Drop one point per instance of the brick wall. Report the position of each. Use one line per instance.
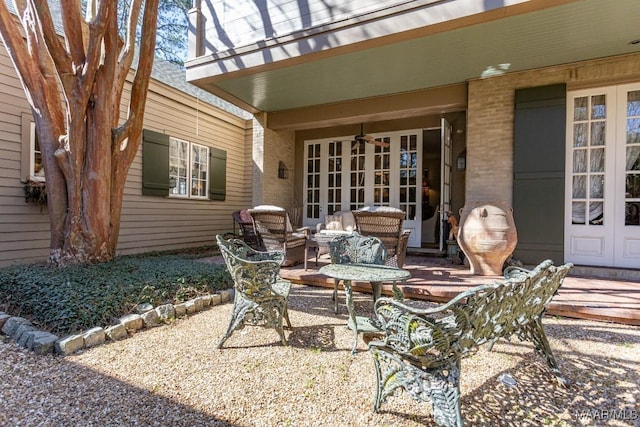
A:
(269, 149)
(489, 174)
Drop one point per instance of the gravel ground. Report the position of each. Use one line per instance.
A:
(174, 376)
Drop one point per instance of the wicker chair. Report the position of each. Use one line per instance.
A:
(385, 223)
(245, 225)
(274, 231)
(261, 295)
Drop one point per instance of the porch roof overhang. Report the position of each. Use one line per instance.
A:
(372, 69)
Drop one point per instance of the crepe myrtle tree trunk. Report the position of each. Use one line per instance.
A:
(74, 83)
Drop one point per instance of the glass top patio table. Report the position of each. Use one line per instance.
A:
(373, 273)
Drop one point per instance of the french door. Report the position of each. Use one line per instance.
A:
(602, 224)
(445, 176)
(344, 175)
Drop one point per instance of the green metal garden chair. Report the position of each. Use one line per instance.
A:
(261, 295)
(355, 249)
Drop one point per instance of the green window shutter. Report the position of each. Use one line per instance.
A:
(539, 169)
(155, 163)
(217, 174)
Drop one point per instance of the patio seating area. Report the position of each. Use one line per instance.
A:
(174, 375)
(582, 295)
(444, 333)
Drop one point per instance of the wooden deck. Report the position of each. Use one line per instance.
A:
(436, 279)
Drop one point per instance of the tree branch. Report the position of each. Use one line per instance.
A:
(60, 57)
(16, 46)
(141, 79)
(97, 28)
(126, 58)
(72, 22)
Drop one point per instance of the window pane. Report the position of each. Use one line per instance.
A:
(579, 187)
(38, 164)
(597, 160)
(578, 212)
(178, 166)
(580, 161)
(598, 107)
(199, 170)
(633, 103)
(597, 186)
(596, 213)
(580, 135)
(580, 108)
(632, 214)
(632, 186)
(633, 158)
(633, 131)
(597, 133)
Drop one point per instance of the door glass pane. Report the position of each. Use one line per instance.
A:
(597, 186)
(580, 108)
(579, 187)
(633, 103)
(596, 213)
(633, 158)
(580, 132)
(580, 161)
(632, 216)
(633, 131)
(597, 160)
(577, 212)
(632, 187)
(598, 107)
(597, 133)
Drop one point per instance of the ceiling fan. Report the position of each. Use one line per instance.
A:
(362, 137)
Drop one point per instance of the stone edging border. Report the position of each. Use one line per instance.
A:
(23, 332)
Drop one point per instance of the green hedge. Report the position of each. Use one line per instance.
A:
(72, 299)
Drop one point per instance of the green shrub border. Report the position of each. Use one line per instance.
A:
(72, 299)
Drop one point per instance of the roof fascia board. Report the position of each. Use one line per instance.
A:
(417, 20)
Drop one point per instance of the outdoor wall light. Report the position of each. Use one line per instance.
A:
(461, 161)
(283, 172)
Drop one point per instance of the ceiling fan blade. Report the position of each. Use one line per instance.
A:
(374, 141)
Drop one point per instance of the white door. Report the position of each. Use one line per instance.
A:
(342, 175)
(603, 177)
(627, 184)
(410, 185)
(445, 177)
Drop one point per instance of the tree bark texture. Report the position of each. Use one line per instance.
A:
(74, 84)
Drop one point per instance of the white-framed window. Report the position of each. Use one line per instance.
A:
(36, 164)
(188, 169)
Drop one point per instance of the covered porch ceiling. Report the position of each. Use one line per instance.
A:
(369, 76)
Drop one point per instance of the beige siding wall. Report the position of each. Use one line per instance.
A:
(489, 175)
(24, 228)
(148, 223)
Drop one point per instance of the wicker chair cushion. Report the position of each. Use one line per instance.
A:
(333, 222)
